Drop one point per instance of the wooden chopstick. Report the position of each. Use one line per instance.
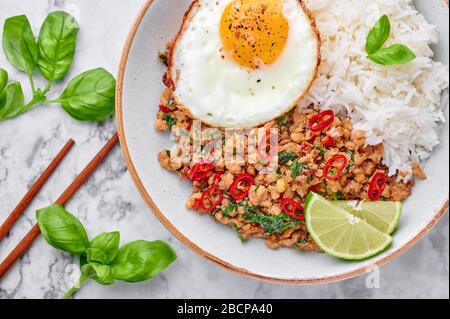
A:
(26, 242)
(34, 189)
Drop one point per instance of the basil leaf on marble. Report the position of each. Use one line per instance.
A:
(378, 35)
(99, 272)
(57, 44)
(11, 101)
(101, 259)
(62, 230)
(89, 97)
(19, 44)
(142, 260)
(3, 79)
(104, 248)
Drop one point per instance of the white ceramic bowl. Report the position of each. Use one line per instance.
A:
(138, 93)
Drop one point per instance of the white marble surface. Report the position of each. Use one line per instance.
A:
(109, 201)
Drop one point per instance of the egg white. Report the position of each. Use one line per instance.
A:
(222, 93)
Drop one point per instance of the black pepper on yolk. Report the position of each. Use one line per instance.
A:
(254, 32)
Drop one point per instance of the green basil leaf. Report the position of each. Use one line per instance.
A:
(19, 44)
(142, 260)
(3, 79)
(11, 101)
(100, 273)
(96, 255)
(83, 260)
(62, 230)
(90, 97)
(378, 35)
(104, 248)
(395, 54)
(57, 43)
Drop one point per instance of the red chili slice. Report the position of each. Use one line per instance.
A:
(200, 171)
(331, 165)
(164, 109)
(296, 211)
(211, 198)
(186, 173)
(197, 203)
(321, 121)
(241, 186)
(377, 186)
(217, 177)
(262, 147)
(328, 141)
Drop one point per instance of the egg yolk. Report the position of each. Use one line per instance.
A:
(253, 32)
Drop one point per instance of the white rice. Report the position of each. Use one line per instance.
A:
(395, 105)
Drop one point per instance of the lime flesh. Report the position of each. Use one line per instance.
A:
(340, 233)
(384, 216)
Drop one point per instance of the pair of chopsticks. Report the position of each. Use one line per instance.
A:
(26, 242)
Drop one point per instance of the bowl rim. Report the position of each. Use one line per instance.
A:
(161, 217)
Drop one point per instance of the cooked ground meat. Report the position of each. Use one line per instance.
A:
(302, 159)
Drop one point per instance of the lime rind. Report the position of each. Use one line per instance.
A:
(363, 228)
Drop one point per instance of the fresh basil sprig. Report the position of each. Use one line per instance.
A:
(392, 55)
(101, 259)
(89, 97)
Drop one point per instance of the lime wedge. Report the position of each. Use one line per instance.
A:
(341, 234)
(384, 216)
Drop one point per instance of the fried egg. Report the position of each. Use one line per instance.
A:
(241, 63)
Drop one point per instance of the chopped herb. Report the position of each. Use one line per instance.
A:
(257, 187)
(384, 199)
(229, 209)
(352, 155)
(333, 171)
(338, 195)
(297, 169)
(164, 57)
(321, 150)
(303, 241)
(272, 224)
(170, 120)
(286, 157)
(282, 121)
(249, 209)
(238, 231)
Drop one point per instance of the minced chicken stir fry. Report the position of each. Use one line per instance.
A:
(318, 152)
